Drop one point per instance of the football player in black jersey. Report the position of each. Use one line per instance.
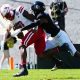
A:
(60, 37)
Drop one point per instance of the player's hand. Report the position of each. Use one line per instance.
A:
(18, 25)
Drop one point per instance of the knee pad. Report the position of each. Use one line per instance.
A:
(65, 47)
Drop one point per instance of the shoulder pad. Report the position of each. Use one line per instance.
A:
(20, 9)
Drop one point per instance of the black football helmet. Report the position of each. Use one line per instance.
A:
(38, 7)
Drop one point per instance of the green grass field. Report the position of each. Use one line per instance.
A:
(43, 74)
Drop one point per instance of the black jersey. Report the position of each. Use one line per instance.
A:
(43, 20)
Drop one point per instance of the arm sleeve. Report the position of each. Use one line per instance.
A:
(29, 16)
(42, 19)
(34, 24)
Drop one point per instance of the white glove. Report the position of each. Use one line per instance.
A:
(16, 32)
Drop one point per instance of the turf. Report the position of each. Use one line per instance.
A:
(43, 74)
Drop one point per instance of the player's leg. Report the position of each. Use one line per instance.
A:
(2, 60)
(52, 53)
(23, 54)
(28, 39)
(67, 45)
(44, 49)
(6, 53)
(77, 54)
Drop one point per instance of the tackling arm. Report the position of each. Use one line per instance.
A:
(34, 24)
(29, 16)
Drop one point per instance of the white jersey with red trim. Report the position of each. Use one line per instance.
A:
(19, 17)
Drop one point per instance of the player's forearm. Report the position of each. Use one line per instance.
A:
(34, 24)
(26, 27)
(29, 16)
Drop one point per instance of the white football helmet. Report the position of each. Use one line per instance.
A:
(6, 8)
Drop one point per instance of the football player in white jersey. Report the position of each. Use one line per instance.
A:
(18, 20)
